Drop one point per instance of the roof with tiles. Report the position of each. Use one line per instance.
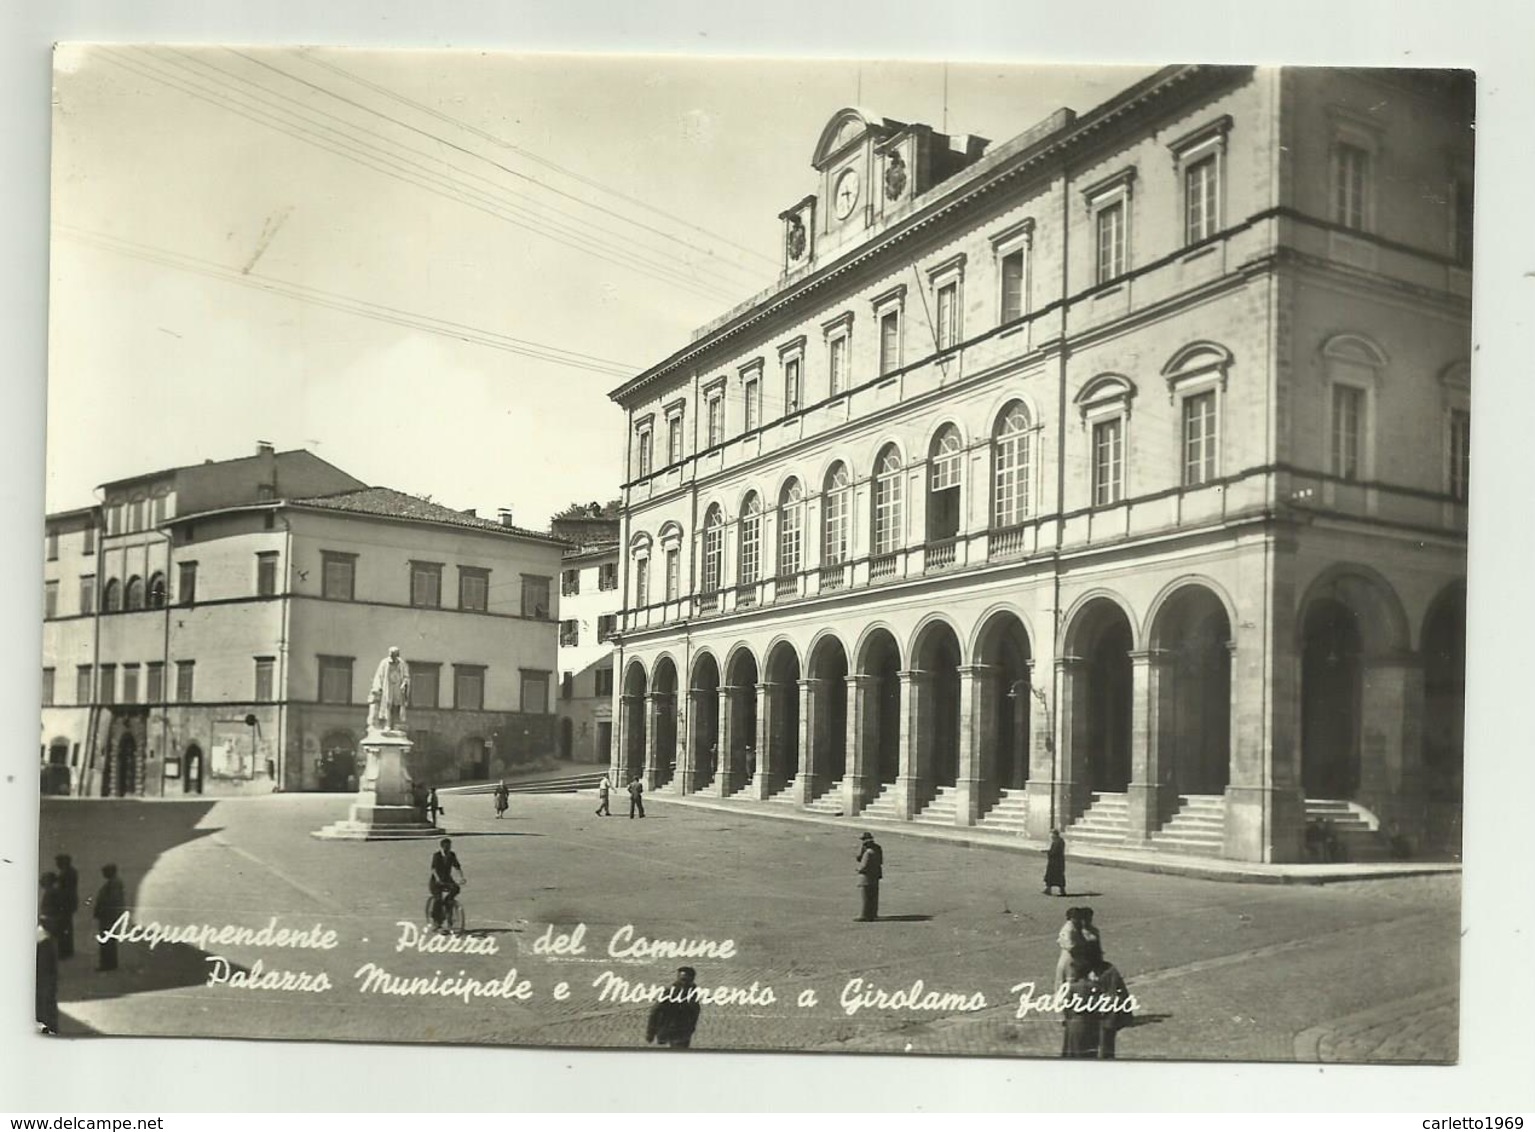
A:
(387, 503)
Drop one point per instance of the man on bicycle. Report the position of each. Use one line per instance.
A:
(441, 884)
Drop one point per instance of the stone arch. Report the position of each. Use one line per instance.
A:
(631, 755)
(1067, 646)
(663, 706)
(826, 756)
(1373, 598)
(156, 594)
(878, 665)
(1099, 638)
(702, 763)
(1001, 647)
(133, 593)
(1195, 359)
(738, 718)
(861, 646)
(936, 657)
(112, 596)
(1170, 591)
(1190, 633)
(1355, 349)
(781, 672)
(192, 767)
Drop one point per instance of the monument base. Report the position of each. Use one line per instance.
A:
(386, 808)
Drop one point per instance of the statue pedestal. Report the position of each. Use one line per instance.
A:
(386, 808)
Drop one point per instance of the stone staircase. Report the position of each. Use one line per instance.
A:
(1197, 826)
(1106, 822)
(942, 810)
(883, 805)
(828, 802)
(784, 795)
(1010, 814)
(1357, 829)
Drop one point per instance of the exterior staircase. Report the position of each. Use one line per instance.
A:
(1106, 822)
(1357, 829)
(1009, 815)
(883, 805)
(828, 801)
(942, 810)
(784, 795)
(1198, 826)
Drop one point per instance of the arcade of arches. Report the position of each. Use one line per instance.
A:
(873, 723)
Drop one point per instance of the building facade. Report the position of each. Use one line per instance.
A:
(218, 626)
(1111, 478)
(590, 605)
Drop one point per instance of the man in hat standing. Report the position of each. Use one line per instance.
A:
(674, 1017)
(871, 867)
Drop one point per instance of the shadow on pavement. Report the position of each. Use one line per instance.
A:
(490, 833)
(909, 918)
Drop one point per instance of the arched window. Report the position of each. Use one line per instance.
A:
(714, 549)
(112, 597)
(887, 501)
(157, 591)
(134, 598)
(750, 565)
(1010, 468)
(946, 464)
(790, 517)
(835, 513)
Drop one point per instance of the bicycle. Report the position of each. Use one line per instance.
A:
(452, 913)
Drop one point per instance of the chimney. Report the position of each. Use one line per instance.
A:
(264, 448)
(506, 516)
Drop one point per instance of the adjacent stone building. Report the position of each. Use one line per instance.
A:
(590, 603)
(215, 628)
(1112, 477)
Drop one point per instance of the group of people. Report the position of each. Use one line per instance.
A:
(1097, 1000)
(58, 902)
(636, 789)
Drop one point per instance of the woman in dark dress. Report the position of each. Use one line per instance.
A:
(1055, 863)
(1082, 1026)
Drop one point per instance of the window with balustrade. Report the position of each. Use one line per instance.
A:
(836, 511)
(945, 469)
(751, 540)
(1010, 467)
(887, 513)
(714, 549)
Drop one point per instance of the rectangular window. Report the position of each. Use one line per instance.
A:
(753, 410)
(1351, 175)
(136, 515)
(674, 439)
(948, 316)
(154, 682)
(50, 599)
(48, 675)
(1347, 424)
(266, 574)
(108, 684)
(1200, 200)
(570, 633)
(88, 593)
(469, 687)
(673, 574)
(570, 582)
(535, 692)
(90, 541)
(53, 546)
(716, 420)
(607, 576)
(1111, 241)
(130, 684)
(265, 669)
(604, 681)
(338, 572)
(186, 680)
(425, 684)
(641, 582)
(115, 519)
(473, 589)
(83, 684)
(791, 392)
(535, 597)
(1460, 454)
(606, 624)
(186, 583)
(426, 585)
(646, 453)
(336, 679)
(1012, 286)
(1108, 461)
(889, 341)
(837, 364)
(1198, 439)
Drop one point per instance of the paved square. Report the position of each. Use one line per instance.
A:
(1350, 971)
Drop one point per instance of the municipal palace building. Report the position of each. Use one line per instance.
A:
(1112, 478)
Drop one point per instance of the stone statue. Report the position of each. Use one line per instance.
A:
(389, 694)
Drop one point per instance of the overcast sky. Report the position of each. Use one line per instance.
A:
(286, 245)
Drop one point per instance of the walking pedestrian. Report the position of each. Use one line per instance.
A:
(674, 1017)
(433, 806)
(1081, 1024)
(636, 796)
(871, 869)
(1055, 863)
(1115, 1002)
(69, 891)
(604, 788)
(1069, 939)
(1092, 938)
(503, 799)
(111, 903)
(47, 981)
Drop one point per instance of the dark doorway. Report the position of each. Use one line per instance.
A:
(192, 770)
(1194, 691)
(1101, 698)
(882, 660)
(938, 656)
(1331, 684)
(127, 768)
(567, 737)
(1444, 695)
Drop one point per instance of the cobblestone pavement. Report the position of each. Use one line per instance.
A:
(1345, 972)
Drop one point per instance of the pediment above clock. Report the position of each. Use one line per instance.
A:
(847, 128)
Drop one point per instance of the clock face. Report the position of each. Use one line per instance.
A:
(845, 196)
